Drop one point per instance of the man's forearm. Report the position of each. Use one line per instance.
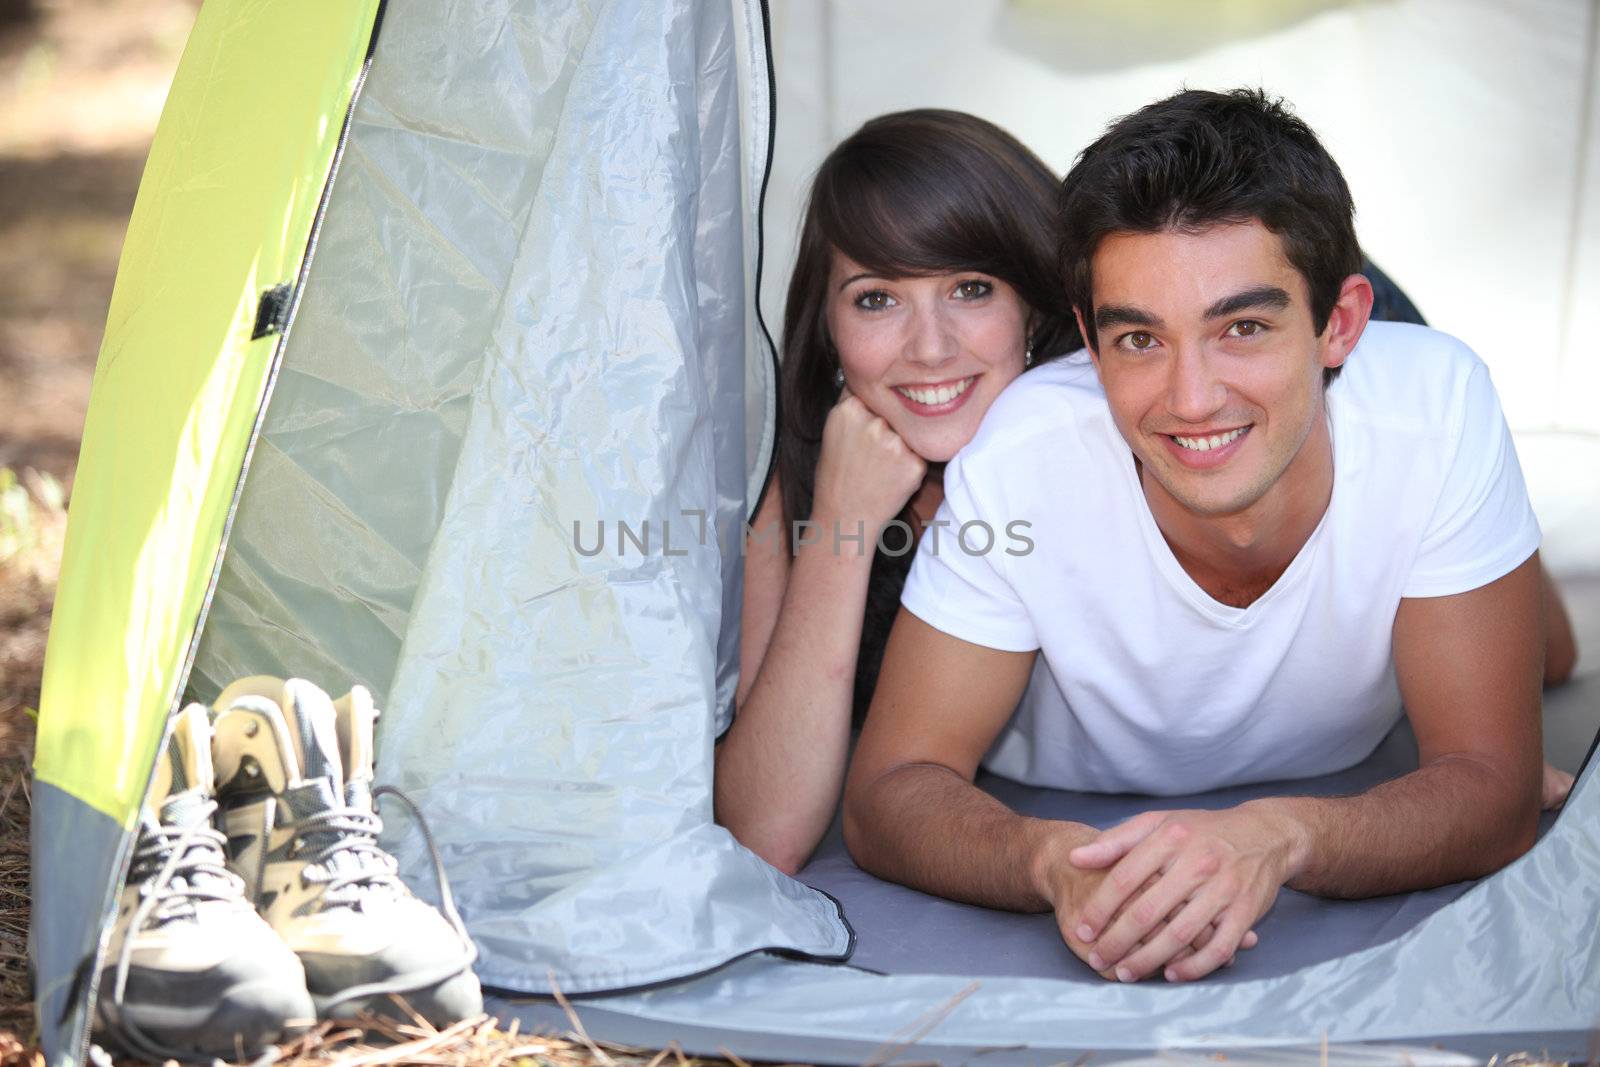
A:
(925, 826)
(1453, 819)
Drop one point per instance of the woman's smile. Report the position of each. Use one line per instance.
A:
(936, 398)
(926, 352)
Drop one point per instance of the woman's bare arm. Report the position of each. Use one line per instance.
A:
(780, 767)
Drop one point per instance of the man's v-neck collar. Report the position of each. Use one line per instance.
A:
(1179, 578)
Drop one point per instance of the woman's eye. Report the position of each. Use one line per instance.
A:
(972, 290)
(1245, 328)
(874, 300)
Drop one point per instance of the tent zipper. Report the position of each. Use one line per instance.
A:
(761, 9)
(761, 251)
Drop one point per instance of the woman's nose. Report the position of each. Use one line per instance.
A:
(933, 338)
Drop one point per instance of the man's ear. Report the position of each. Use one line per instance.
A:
(1349, 318)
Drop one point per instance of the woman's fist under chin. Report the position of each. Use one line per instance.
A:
(866, 472)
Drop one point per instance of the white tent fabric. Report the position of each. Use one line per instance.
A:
(525, 332)
(1469, 131)
(555, 695)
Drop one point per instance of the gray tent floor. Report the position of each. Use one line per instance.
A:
(902, 931)
(712, 1040)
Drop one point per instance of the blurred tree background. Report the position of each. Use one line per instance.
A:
(17, 14)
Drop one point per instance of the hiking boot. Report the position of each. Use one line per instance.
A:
(294, 773)
(191, 970)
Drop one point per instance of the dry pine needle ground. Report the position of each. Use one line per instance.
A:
(32, 527)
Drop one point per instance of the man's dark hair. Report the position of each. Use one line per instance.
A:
(1199, 159)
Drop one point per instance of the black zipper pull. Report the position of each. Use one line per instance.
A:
(272, 314)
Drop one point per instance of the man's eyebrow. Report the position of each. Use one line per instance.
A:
(1260, 298)
(1109, 315)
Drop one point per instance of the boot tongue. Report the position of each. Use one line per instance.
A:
(181, 799)
(183, 810)
(183, 766)
(355, 714)
(312, 721)
(162, 781)
(313, 796)
(305, 734)
(191, 750)
(348, 846)
(358, 794)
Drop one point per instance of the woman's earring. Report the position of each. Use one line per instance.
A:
(1027, 356)
(838, 378)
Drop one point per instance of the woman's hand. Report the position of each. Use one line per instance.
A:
(866, 473)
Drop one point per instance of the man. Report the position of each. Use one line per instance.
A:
(1241, 568)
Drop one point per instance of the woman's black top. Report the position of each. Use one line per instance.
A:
(883, 603)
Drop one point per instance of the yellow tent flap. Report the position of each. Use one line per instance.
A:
(230, 195)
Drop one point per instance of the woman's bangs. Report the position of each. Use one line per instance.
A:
(894, 227)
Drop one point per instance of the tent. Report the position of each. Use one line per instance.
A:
(434, 364)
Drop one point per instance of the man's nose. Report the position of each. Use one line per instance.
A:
(932, 339)
(1194, 392)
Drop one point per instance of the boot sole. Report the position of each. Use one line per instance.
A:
(448, 1002)
(231, 1026)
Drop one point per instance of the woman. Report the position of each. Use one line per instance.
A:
(925, 282)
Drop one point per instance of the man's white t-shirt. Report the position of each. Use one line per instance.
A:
(1145, 683)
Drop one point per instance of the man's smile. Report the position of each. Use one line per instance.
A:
(1203, 451)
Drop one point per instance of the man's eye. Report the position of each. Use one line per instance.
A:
(1138, 340)
(1245, 328)
(972, 290)
(874, 300)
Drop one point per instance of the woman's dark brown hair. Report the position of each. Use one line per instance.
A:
(911, 193)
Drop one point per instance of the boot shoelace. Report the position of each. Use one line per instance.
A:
(356, 830)
(189, 867)
(341, 850)
(199, 849)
